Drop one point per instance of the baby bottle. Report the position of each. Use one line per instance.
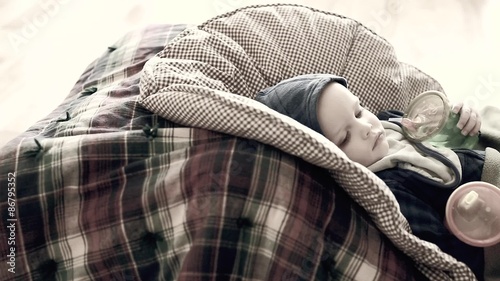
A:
(473, 214)
(429, 118)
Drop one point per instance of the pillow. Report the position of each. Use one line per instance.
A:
(263, 45)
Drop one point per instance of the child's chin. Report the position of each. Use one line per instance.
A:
(384, 149)
(382, 152)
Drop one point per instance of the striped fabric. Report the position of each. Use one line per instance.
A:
(208, 76)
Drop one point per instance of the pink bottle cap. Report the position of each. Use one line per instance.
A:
(473, 214)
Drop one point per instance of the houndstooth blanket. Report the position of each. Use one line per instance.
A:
(208, 76)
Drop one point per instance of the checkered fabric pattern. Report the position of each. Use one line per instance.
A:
(208, 76)
(103, 189)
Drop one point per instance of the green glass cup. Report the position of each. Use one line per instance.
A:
(429, 118)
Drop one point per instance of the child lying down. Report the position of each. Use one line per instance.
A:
(421, 182)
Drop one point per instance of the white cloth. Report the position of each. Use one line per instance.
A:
(403, 154)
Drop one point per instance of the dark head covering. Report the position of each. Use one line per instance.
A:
(297, 97)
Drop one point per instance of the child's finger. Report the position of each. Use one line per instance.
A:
(457, 107)
(465, 114)
(477, 128)
(470, 125)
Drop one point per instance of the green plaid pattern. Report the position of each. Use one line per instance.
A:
(188, 204)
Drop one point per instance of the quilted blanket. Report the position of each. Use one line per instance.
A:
(104, 189)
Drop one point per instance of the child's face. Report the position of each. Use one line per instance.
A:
(353, 129)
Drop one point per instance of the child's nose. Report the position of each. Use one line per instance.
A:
(366, 129)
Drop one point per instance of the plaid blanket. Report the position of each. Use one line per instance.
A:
(103, 189)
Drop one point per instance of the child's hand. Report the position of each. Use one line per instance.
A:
(470, 121)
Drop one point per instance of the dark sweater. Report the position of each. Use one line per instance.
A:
(423, 204)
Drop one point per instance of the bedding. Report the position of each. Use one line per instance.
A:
(234, 56)
(159, 165)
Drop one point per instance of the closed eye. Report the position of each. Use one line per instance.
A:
(345, 140)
